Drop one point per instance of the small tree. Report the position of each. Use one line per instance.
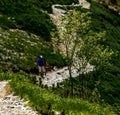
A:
(79, 44)
(71, 30)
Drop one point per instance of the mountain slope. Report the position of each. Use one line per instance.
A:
(20, 50)
(105, 20)
(44, 101)
(25, 28)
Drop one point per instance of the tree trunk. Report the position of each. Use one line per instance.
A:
(71, 81)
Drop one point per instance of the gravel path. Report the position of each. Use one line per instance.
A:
(13, 105)
(57, 76)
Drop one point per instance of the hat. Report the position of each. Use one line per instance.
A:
(41, 56)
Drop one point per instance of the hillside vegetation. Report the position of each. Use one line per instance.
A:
(19, 49)
(25, 33)
(46, 103)
(105, 20)
(103, 83)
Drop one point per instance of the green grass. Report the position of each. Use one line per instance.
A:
(105, 20)
(20, 49)
(27, 15)
(40, 98)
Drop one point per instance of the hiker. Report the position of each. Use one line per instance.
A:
(41, 62)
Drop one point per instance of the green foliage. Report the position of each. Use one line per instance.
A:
(21, 50)
(81, 88)
(70, 34)
(5, 76)
(29, 15)
(99, 11)
(105, 20)
(98, 51)
(40, 98)
(82, 46)
(80, 43)
(26, 15)
(7, 22)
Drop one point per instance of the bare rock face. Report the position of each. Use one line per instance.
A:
(84, 4)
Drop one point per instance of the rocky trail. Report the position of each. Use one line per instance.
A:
(12, 105)
(59, 75)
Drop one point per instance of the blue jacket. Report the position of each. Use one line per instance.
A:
(41, 61)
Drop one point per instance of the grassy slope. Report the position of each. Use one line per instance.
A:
(41, 99)
(18, 48)
(25, 28)
(27, 15)
(106, 20)
(21, 50)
